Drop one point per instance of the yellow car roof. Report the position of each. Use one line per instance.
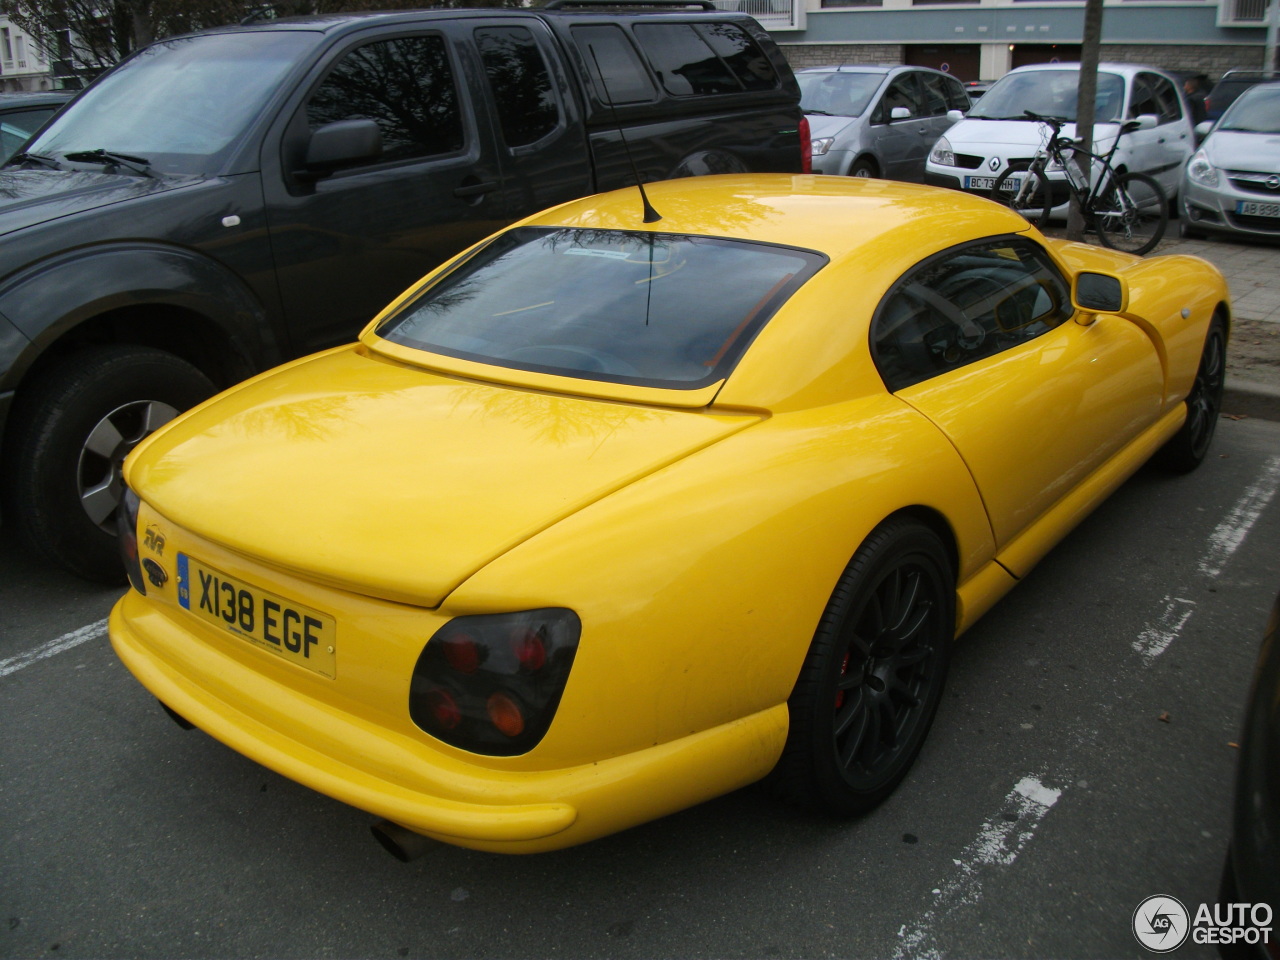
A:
(838, 216)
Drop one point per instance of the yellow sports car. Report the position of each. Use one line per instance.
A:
(606, 517)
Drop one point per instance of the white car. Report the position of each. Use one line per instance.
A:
(996, 135)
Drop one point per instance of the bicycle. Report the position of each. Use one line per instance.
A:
(1128, 211)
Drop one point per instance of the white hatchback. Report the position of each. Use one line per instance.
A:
(996, 136)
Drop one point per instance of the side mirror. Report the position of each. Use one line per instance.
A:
(899, 113)
(955, 116)
(1202, 129)
(1145, 121)
(340, 144)
(1094, 293)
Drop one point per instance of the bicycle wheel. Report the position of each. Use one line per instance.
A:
(1131, 214)
(1025, 191)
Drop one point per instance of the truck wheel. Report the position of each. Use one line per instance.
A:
(69, 437)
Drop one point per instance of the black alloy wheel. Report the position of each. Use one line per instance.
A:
(1188, 447)
(871, 683)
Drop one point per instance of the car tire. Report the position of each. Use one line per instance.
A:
(68, 438)
(1189, 233)
(1187, 448)
(863, 168)
(870, 684)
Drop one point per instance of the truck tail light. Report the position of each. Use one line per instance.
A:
(806, 147)
(127, 528)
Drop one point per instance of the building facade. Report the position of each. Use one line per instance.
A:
(985, 39)
(23, 61)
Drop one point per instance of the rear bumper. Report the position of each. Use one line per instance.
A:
(417, 783)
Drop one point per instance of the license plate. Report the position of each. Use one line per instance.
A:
(288, 629)
(1252, 209)
(979, 183)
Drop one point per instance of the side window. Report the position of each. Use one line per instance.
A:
(742, 54)
(684, 62)
(607, 48)
(16, 129)
(957, 99)
(1144, 98)
(933, 95)
(521, 84)
(902, 92)
(965, 305)
(1167, 96)
(406, 85)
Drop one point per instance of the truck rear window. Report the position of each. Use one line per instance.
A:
(651, 309)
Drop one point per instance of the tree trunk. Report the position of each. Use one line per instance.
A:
(1086, 95)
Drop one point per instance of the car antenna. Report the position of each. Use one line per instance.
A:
(650, 215)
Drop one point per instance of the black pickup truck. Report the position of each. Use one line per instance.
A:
(224, 201)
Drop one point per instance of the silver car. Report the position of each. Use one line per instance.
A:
(1232, 183)
(877, 121)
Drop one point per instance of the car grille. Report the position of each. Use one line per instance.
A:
(968, 161)
(1267, 224)
(1255, 182)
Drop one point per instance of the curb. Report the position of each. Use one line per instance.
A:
(1249, 398)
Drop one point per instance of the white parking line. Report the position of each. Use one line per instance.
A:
(1231, 532)
(65, 642)
(997, 846)
(1155, 639)
(1225, 539)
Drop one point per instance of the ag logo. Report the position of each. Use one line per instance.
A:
(1161, 923)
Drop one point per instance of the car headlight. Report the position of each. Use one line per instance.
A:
(942, 153)
(491, 683)
(1201, 171)
(822, 145)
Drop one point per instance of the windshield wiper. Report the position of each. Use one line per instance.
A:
(821, 113)
(49, 162)
(107, 158)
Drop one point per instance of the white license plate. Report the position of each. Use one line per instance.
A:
(1250, 208)
(979, 183)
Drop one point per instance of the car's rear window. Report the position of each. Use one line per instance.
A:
(652, 309)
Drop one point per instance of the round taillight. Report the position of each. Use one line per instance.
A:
(504, 713)
(443, 709)
(530, 651)
(462, 653)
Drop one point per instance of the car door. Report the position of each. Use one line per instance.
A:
(347, 244)
(939, 93)
(982, 340)
(1163, 150)
(900, 142)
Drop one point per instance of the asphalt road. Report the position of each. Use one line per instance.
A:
(1081, 762)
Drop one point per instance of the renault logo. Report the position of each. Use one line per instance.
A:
(994, 164)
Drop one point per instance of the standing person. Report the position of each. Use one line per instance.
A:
(1194, 88)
